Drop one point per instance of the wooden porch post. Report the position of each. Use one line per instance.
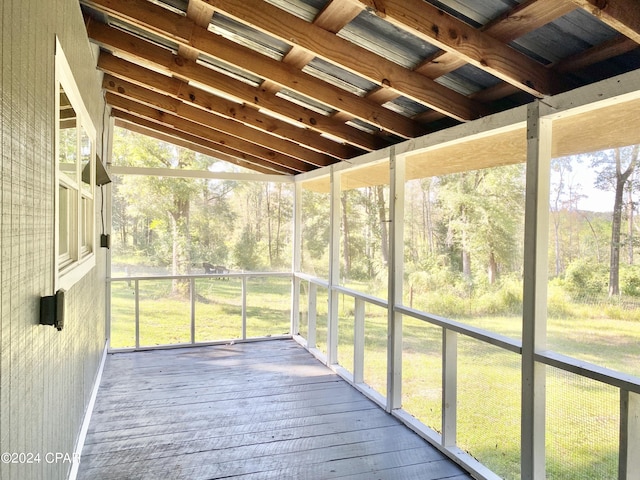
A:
(629, 462)
(395, 272)
(334, 270)
(297, 258)
(536, 240)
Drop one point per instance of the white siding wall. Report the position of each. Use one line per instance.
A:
(46, 376)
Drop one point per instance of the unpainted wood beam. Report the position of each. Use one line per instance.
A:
(168, 119)
(621, 15)
(167, 130)
(335, 15)
(478, 48)
(326, 45)
(159, 58)
(154, 18)
(611, 48)
(214, 104)
(196, 146)
(237, 129)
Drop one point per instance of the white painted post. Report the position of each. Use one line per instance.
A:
(358, 342)
(629, 461)
(334, 270)
(192, 300)
(244, 307)
(312, 313)
(449, 387)
(136, 300)
(297, 258)
(395, 279)
(534, 321)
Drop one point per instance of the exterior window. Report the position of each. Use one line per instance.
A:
(75, 176)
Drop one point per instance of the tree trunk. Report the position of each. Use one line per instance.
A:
(466, 263)
(181, 246)
(621, 180)
(493, 269)
(279, 221)
(614, 264)
(556, 227)
(630, 206)
(269, 236)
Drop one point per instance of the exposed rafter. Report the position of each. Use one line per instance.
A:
(184, 31)
(515, 23)
(254, 84)
(195, 145)
(208, 102)
(156, 57)
(181, 124)
(324, 44)
(214, 122)
(478, 48)
(168, 130)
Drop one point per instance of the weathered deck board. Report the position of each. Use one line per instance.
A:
(250, 411)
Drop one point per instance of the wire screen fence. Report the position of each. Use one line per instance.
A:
(582, 425)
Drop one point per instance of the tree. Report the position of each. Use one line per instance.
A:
(163, 203)
(484, 210)
(615, 169)
(564, 197)
(316, 230)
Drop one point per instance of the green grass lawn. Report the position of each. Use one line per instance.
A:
(165, 318)
(582, 415)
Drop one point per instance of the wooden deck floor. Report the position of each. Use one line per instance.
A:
(265, 410)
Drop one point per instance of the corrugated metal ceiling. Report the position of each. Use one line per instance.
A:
(572, 34)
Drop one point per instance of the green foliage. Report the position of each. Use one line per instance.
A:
(630, 280)
(584, 277)
(559, 303)
(180, 223)
(504, 298)
(246, 252)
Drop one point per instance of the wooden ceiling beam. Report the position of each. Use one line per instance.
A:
(526, 17)
(154, 18)
(609, 49)
(193, 145)
(478, 48)
(326, 45)
(170, 104)
(335, 15)
(519, 21)
(304, 84)
(162, 128)
(159, 58)
(199, 13)
(170, 120)
(515, 23)
(209, 102)
(621, 15)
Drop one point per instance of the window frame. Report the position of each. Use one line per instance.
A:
(74, 259)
